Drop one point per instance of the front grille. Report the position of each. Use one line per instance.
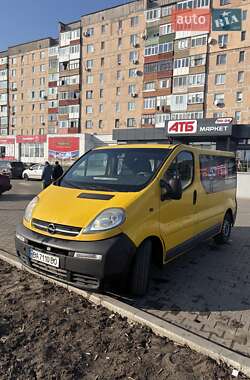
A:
(84, 281)
(54, 228)
(48, 270)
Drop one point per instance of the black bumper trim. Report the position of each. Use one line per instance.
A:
(116, 252)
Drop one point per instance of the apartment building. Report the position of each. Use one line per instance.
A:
(112, 68)
(4, 93)
(228, 91)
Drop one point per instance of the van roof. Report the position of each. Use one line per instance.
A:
(167, 146)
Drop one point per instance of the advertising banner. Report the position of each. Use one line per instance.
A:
(63, 148)
(31, 139)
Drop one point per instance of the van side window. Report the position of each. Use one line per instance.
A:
(181, 167)
(217, 173)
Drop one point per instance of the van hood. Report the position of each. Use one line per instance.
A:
(76, 207)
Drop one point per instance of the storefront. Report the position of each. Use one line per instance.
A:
(32, 148)
(7, 148)
(212, 133)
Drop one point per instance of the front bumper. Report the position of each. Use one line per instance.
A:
(116, 252)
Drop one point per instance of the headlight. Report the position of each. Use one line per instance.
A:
(108, 219)
(29, 209)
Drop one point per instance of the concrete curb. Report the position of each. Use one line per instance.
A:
(158, 326)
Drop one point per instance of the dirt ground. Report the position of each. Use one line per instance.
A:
(48, 333)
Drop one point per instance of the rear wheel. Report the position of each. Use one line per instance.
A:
(226, 229)
(141, 269)
(26, 177)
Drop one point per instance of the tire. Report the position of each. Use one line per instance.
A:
(26, 177)
(224, 236)
(141, 269)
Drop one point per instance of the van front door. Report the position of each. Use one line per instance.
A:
(177, 217)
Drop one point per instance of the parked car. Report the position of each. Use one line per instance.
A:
(34, 172)
(13, 169)
(4, 183)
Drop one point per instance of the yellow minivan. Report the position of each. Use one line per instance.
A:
(120, 208)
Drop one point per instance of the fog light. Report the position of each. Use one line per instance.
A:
(20, 237)
(88, 256)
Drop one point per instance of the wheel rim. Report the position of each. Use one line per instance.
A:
(226, 228)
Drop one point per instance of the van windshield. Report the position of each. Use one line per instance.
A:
(129, 169)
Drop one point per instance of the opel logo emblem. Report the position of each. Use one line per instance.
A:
(52, 229)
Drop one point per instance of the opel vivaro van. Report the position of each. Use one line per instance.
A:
(120, 208)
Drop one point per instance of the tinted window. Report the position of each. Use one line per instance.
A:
(182, 167)
(128, 169)
(217, 173)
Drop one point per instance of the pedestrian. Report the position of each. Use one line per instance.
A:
(47, 175)
(57, 171)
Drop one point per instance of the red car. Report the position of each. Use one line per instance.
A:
(4, 184)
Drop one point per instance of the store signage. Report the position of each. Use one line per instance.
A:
(227, 19)
(4, 141)
(182, 126)
(191, 20)
(200, 127)
(31, 139)
(64, 148)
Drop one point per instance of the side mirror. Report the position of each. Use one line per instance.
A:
(171, 189)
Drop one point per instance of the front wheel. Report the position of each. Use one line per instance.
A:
(141, 269)
(26, 177)
(224, 235)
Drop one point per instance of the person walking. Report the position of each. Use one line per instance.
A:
(47, 175)
(57, 171)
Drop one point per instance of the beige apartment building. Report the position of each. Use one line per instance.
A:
(112, 68)
(228, 90)
(28, 84)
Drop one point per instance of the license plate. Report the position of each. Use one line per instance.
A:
(44, 258)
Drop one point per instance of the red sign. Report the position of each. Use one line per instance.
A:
(31, 139)
(7, 140)
(191, 20)
(65, 148)
(182, 126)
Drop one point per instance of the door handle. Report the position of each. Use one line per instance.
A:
(194, 197)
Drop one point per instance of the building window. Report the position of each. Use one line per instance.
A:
(117, 107)
(42, 54)
(89, 109)
(131, 89)
(101, 93)
(119, 24)
(103, 28)
(132, 73)
(89, 63)
(119, 75)
(133, 56)
(241, 76)
(224, 2)
(242, 56)
(89, 124)
(220, 79)
(243, 35)
(134, 21)
(119, 59)
(196, 79)
(101, 107)
(196, 98)
(33, 69)
(221, 59)
(131, 106)
(219, 99)
(239, 96)
(183, 44)
(153, 14)
(90, 48)
(90, 32)
(244, 15)
(131, 122)
(237, 115)
(89, 94)
(165, 83)
(117, 123)
(119, 44)
(198, 41)
(134, 40)
(100, 124)
(102, 45)
(223, 40)
(42, 68)
(149, 103)
(149, 86)
(101, 78)
(118, 91)
(165, 29)
(197, 60)
(90, 79)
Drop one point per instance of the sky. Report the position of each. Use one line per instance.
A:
(27, 20)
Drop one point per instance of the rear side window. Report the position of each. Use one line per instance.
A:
(217, 173)
(181, 167)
